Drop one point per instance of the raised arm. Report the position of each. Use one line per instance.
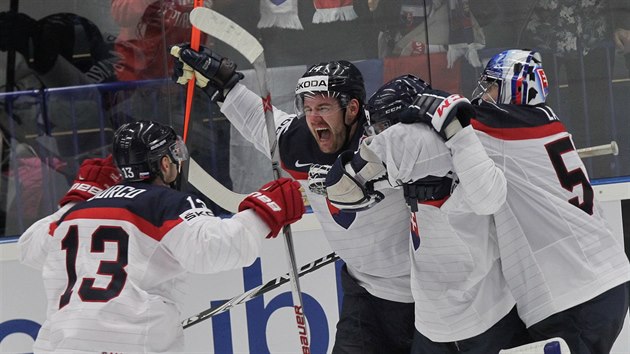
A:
(218, 78)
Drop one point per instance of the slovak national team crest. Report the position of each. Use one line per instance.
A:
(342, 218)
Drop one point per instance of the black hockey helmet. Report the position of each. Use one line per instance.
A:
(340, 79)
(391, 100)
(139, 146)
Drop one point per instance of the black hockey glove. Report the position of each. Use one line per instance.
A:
(215, 74)
(446, 113)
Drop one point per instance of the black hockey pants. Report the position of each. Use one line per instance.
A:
(370, 325)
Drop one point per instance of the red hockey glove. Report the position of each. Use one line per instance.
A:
(278, 203)
(95, 175)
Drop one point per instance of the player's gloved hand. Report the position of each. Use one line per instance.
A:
(350, 181)
(317, 178)
(95, 175)
(446, 113)
(278, 203)
(215, 74)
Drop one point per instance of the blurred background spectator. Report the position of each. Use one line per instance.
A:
(577, 44)
(116, 51)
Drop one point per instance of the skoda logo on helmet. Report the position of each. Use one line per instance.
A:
(312, 83)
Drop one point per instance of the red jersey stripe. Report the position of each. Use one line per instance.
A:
(521, 133)
(297, 175)
(147, 228)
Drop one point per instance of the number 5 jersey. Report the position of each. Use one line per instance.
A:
(557, 250)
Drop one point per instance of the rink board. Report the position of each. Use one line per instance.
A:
(262, 325)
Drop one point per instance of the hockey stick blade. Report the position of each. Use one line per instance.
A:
(213, 189)
(259, 290)
(222, 28)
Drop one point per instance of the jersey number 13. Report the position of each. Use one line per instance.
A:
(114, 268)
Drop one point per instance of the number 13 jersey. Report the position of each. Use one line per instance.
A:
(114, 267)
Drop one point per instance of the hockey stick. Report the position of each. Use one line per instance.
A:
(213, 189)
(230, 33)
(549, 346)
(195, 38)
(606, 149)
(259, 290)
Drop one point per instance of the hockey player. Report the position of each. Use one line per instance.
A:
(377, 310)
(114, 265)
(462, 300)
(567, 271)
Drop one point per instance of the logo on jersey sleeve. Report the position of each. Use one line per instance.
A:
(284, 125)
(415, 232)
(343, 219)
(191, 216)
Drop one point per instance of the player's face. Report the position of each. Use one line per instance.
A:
(492, 93)
(325, 119)
(170, 170)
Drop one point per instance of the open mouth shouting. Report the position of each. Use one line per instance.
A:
(323, 134)
(325, 138)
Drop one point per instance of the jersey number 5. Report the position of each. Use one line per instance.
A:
(570, 179)
(113, 268)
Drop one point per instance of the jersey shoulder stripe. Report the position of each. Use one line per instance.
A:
(516, 122)
(156, 232)
(154, 209)
(522, 133)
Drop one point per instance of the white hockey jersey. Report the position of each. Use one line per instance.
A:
(373, 243)
(114, 266)
(556, 247)
(457, 282)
